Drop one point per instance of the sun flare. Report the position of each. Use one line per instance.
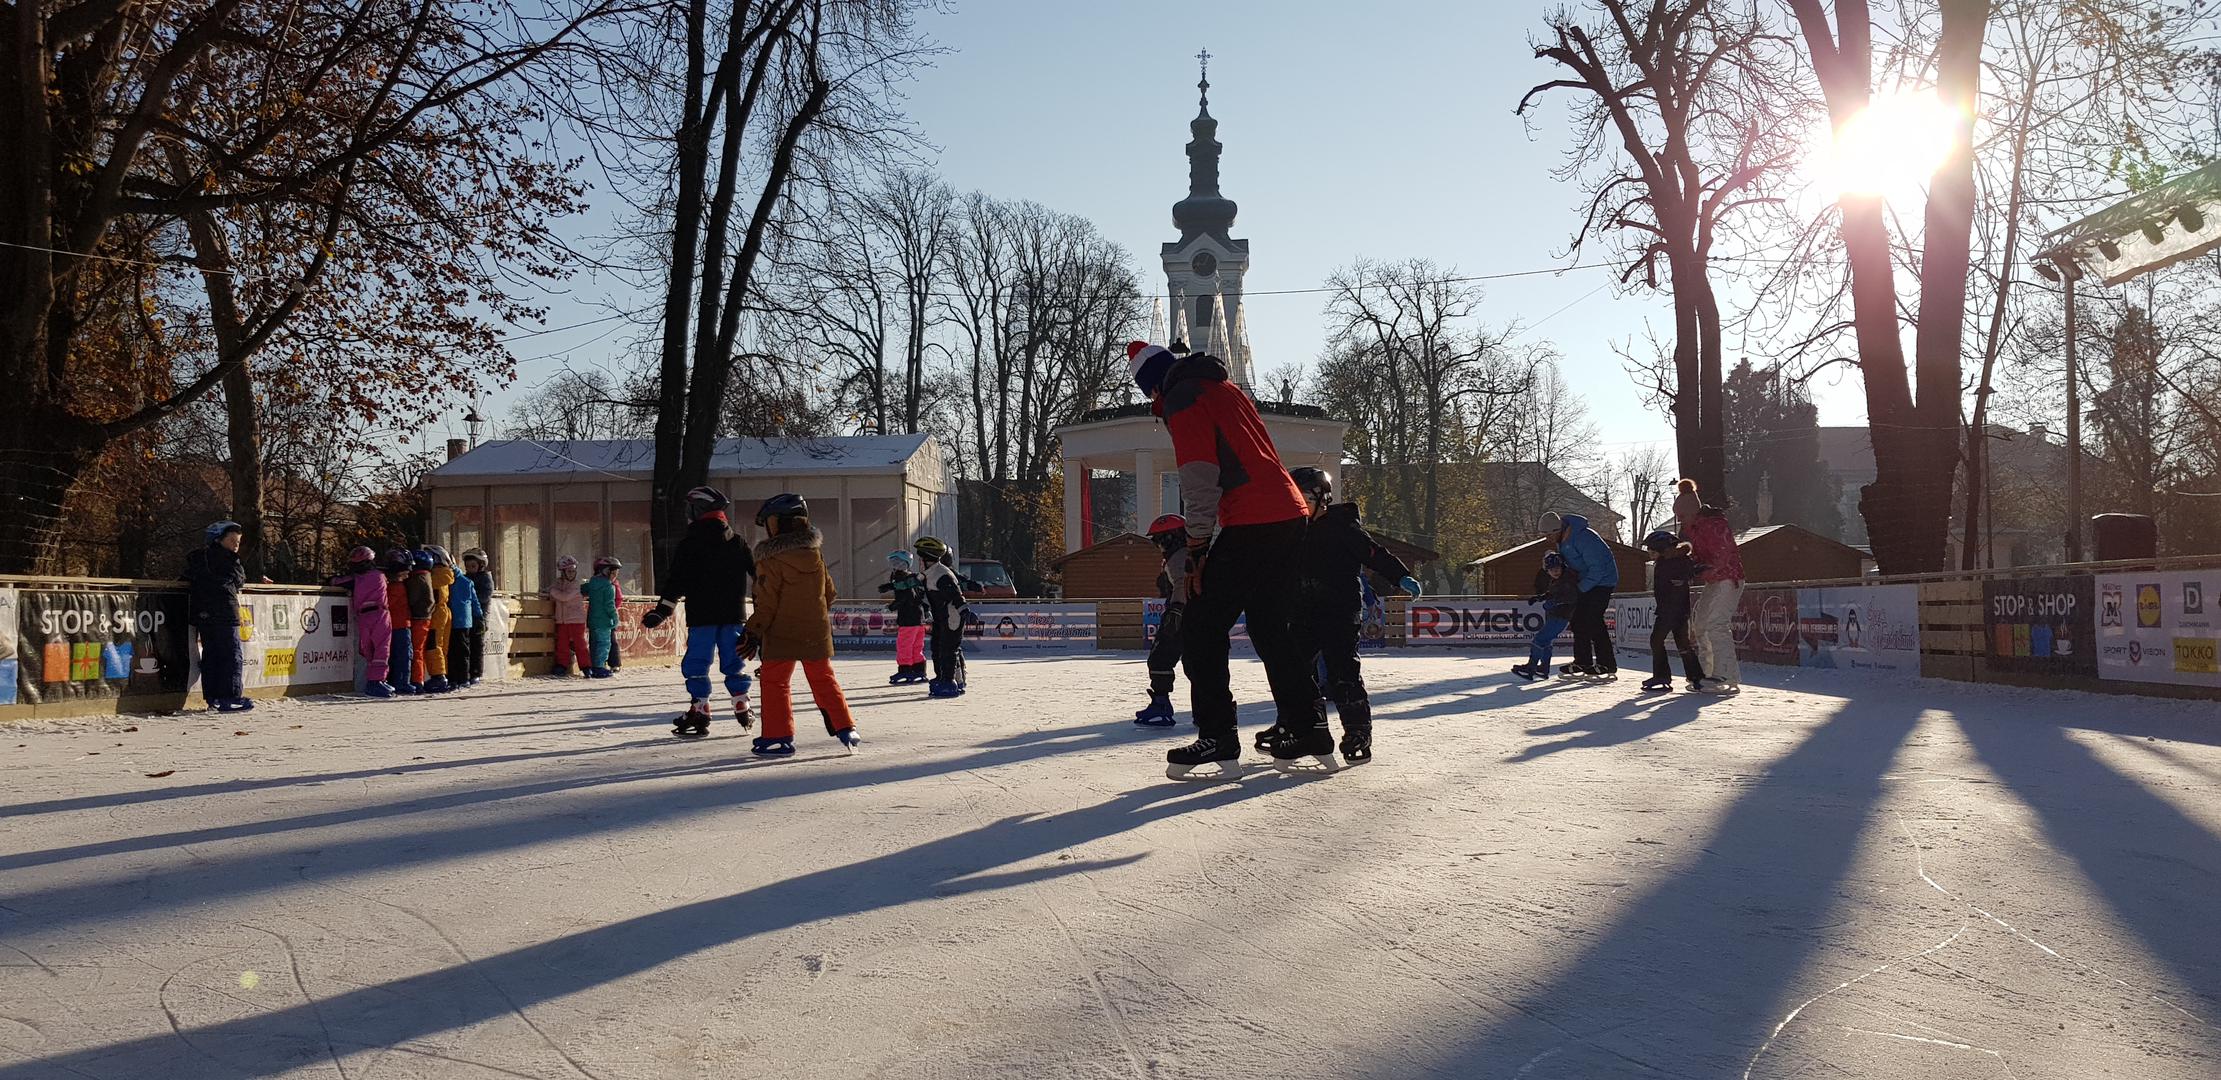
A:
(1892, 146)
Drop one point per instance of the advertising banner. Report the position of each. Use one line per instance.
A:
(995, 627)
(2043, 626)
(75, 645)
(1765, 626)
(1635, 616)
(1860, 628)
(1152, 616)
(1457, 621)
(10, 669)
(296, 640)
(635, 642)
(2159, 627)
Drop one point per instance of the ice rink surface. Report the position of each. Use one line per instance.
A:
(1827, 876)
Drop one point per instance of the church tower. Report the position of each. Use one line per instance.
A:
(1204, 268)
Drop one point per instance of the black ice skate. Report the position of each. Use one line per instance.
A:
(695, 724)
(1310, 751)
(1205, 752)
(1266, 738)
(1357, 745)
(1659, 685)
(1576, 671)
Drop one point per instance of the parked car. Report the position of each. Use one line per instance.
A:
(985, 578)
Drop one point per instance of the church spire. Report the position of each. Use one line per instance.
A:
(1204, 211)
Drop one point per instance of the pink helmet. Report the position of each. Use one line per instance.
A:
(567, 562)
(362, 555)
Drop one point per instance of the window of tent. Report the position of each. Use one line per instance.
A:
(876, 530)
(825, 513)
(630, 540)
(516, 551)
(460, 528)
(578, 533)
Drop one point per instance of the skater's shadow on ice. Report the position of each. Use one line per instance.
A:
(1083, 736)
(1002, 855)
(1613, 726)
(602, 721)
(1395, 704)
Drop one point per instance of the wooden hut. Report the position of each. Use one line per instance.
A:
(1795, 553)
(1125, 567)
(1511, 572)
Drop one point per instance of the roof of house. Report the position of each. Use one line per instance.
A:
(634, 459)
(1121, 540)
(1758, 532)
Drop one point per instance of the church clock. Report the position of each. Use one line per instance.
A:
(1204, 264)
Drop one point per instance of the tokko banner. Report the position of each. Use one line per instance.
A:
(99, 644)
(2160, 627)
(297, 639)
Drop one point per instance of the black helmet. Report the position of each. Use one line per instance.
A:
(783, 505)
(1661, 540)
(1314, 483)
(703, 500)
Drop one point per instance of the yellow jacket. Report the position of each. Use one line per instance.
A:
(794, 598)
(443, 616)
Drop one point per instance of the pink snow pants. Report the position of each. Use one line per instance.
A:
(909, 645)
(373, 636)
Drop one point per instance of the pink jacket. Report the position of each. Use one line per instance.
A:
(1714, 544)
(369, 590)
(570, 603)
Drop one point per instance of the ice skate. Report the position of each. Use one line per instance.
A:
(1357, 745)
(1718, 686)
(849, 739)
(1158, 714)
(944, 689)
(772, 748)
(1657, 685)
(1205, 752)
(1305, 752)
(599, 673)
(377, 690)
(1266, 739)
(1529, 672)
(1605, 674)
(741, 715)
(694, 724)
(1576, 671)
(234, 705)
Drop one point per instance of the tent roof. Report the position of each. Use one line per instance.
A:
(513, 460)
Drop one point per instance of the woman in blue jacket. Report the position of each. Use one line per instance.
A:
(1591, 560)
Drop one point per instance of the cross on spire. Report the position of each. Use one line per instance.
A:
(1204, 84)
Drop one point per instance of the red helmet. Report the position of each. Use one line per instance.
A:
(1168, 524)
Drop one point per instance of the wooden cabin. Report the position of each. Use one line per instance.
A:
(1795, 553)
(1511, 572)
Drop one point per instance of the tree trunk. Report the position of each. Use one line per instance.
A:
(666, 517)
(42, 453)
(243, 432)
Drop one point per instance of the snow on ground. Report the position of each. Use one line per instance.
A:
(1826, 876)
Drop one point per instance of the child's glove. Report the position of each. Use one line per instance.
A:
(654, 616)
(1410, 585)
(750, 644)
(1198, 554)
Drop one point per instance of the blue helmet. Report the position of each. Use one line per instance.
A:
(220, 529)
(899, 558)
(420, 559)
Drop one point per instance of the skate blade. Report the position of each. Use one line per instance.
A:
(1309, 765)
(1227, 771)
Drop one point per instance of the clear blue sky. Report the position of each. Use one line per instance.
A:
(1349, 132)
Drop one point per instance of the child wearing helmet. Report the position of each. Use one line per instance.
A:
(1330, 606)
(710, 570)
(601, 613)
(1672, 571)
(401, 653)
(464, 636)
(1558, 590)
(366, 587)
(908, 604)
(214, 575)
(418, 586)
(442, 623)
(1170, 533)
(944, 597)
(793, 625)
(570, 618)
(477, 569)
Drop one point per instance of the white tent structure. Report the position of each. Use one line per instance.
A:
(529, 502)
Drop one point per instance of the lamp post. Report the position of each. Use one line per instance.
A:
(472, 422)
(2059, 265)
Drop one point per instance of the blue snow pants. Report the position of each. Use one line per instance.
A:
(722, 640)
(223, 666)
(1538, 650)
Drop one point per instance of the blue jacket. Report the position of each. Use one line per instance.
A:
(462, 600)
(1588, 554)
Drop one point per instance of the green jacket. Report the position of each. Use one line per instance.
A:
(601, 602)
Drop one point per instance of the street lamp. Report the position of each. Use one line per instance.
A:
(473, 421)
(2059, 265)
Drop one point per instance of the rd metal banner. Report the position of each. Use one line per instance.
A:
(1457, 621)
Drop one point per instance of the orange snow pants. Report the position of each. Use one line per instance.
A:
(778, 699)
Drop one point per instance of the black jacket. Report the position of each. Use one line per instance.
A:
(1557, 597)
(943, 594)
(710, 571)
(1669, 584)
(483, 581)
(1335, 546)
(909, 602)
(213, 577)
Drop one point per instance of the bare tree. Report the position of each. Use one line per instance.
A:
(574, 405)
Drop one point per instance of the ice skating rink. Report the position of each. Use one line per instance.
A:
(1825, 877)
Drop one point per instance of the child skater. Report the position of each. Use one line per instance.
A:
(570, 618)
(945, 597)
(419, 588)
(710, 571)
(616, 654)
(366, 587)
(475, 567)
(909, 606)
(793, 624)
(1170, 533)
(442, 625)
(401, 652)
(1329, 605)
(1672, 570)
(601, 613)
(464, 638)
(1557, 589)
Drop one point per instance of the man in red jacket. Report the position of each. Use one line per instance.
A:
(1245, 519)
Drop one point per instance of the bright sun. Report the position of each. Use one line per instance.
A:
(1892, 147)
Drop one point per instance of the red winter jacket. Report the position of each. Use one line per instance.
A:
(1229, 472)
(1714, 548)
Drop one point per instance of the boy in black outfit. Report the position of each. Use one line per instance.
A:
(1670, 575)
(710, 571)
(1170, 533)
(944, 596)
(1329, 603)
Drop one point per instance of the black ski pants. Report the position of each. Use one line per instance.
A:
(1164, 653)
(1333, 642)
(1592, 643)
(1675, 626)
(1251, 570)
